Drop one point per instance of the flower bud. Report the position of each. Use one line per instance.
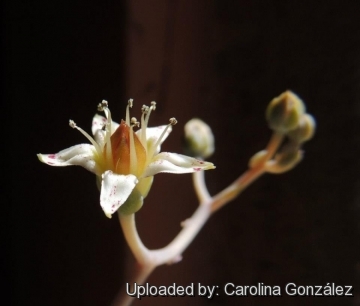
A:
(284, 161)
(305, 130)
(199, 139)
(258, 158)
(284, 112)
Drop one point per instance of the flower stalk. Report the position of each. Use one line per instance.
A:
(208, 205)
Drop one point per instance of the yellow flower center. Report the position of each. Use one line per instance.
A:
(124, 152)
(127, 158)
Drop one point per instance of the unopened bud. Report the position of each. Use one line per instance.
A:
(199, 139)
(284, 112)
(257, 159)
(284, 161)
(305, 130)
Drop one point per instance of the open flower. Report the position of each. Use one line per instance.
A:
(124, 161)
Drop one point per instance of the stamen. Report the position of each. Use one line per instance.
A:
(72, 124)
(93, 142)
(130, 104)
(103, 106)
(172, 121)
(145, 110)
(134, 122)
(151, 108)
(133, 157)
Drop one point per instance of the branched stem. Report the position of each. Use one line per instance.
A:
(236, 188)
(148, 260)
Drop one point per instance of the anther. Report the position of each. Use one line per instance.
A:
(172, 121)
(134, 122)
(130, 102)
(145, 109)
(72, 124)
(102, 105)
(93, 142)
(153, 105)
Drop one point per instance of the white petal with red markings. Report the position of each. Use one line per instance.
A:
(115, 189)
(99, 122)
(79, 155)
(175, 163)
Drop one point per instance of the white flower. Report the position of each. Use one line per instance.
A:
(124, 161)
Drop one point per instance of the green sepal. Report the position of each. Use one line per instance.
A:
(132, 204)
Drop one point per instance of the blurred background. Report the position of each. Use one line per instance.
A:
(222, 61)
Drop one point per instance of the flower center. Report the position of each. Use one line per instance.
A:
(124, 151)
(128, 154)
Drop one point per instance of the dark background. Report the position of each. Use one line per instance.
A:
(222, 61)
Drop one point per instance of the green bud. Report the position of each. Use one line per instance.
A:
(284, 161)
(284, 112)
(305, 130)
(258, 158)
(199, 139)
(133, 203)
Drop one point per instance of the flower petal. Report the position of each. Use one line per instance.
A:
(99, 137)
(79, 155)
(153, 134)
(176, 163)
(99, 122)
(115, 189)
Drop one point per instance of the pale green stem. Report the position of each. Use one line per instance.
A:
(274, 144)
(236, 188)
(248, 177)
(172, 252)
(200, 186)
(141, 253)
(148, 260)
